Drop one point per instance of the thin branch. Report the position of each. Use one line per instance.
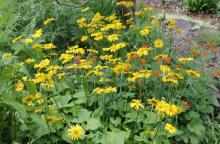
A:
(73, 5)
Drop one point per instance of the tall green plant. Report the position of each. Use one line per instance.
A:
(206, 6)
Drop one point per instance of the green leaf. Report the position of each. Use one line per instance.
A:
(196, 126)
(17, 106)
(113, 137)
(193, 139)
(81, 97)
(93, 124)
(43, 127)
(192, 115)
(81, 114)
(66, 138)
(63, 100)
(24, 70)
(151, 118)
(31, 87)
(115, 121)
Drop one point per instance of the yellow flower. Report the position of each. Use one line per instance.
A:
(29, 60)
(7, 54)
(184, 60)
(111, 17)
(158, 43)
(76, 132)
(169, 79)
(48, 46)
(65, 57)
(193, 73)
(81, 22)
(121, 68)
(140, 74)
(154, 21)
(171, 110)
(112, 37)
(61, 75)
(85, 9)
(84, 38)
(51, 118)
(145, 32)
(49, 20)
(28, 40)
(127, 4)
(170, 128)
(107, 90)
(92, 51)
(115, 47)
(160, 57)
(172, 21)
(28, 100)
(165, 68)
(152, 101)
(161, 106)
(150, 134)
(42, 64)
(136, 104)
(45, 80)
(38, 33)
(37, 46)
(37, 110)
(97, 17)
(143, 51)
(97, 36)
(19, 86)
(177, 75)
(16, 39)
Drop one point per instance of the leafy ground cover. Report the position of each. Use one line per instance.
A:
(84, 76)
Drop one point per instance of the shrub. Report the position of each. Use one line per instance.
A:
(206, 6)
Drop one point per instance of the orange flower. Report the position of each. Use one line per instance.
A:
(216, 74)
(205, 54)
(143, 61)
(134, 56)
(186, 104)
(167, 60)
(158, 73)
(177, 67)
(93, 58)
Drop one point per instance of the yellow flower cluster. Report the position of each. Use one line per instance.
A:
(19, 86)
(38, 33)
(45, 79)
(31, 99)
(193, 73)
(163, 108)
(172, 77)
(42, 64)
(126, 3)
(139, 74)
(115, 47)
(107, 90)
(184, 60)
(121, 68)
